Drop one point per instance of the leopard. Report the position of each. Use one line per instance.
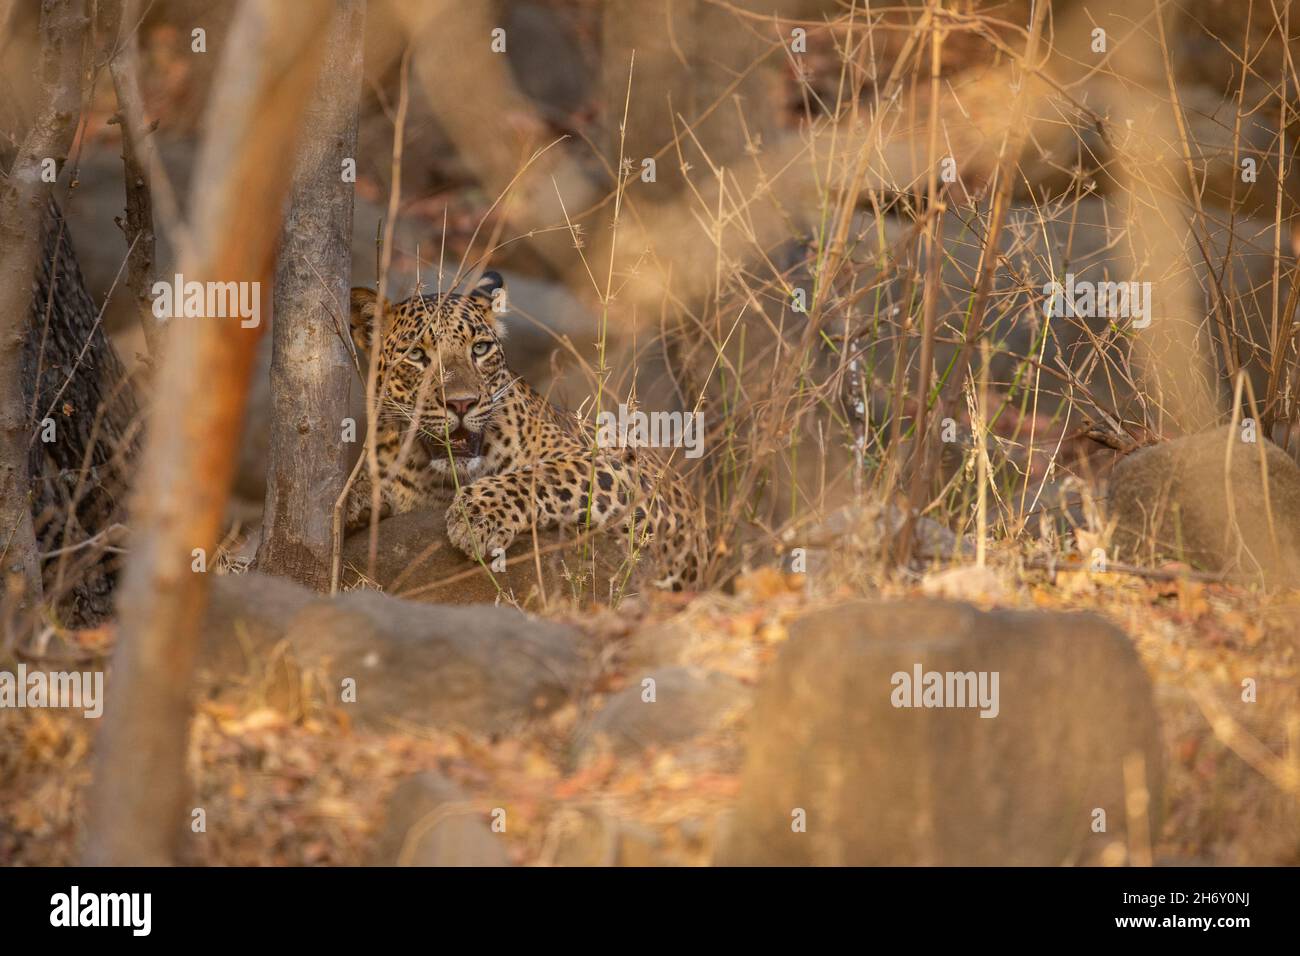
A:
(456, 428)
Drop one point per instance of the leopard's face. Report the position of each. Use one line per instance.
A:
(442, 370)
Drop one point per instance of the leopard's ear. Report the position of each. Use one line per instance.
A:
(362, 317)
(487, 286)
(489, 290)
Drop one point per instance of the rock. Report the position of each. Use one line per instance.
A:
(968, 583)
(589, 836)
(248, 613)
(431, 822)
(688, 702)
(584, 836)
(99, 243)
(416, 560)
(860, 531)
(438, 168)
(547, 60)
(886, 785)
(1173, 500)
(1087, 240)
(542, 315)
(481, 668)
(1214, 122)
(1034, 242)
(659, 644)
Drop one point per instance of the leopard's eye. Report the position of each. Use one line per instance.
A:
(482, 347)
(415, 356)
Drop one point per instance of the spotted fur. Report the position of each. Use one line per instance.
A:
(457, 428)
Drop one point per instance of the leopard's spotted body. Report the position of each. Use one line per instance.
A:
(457, 429)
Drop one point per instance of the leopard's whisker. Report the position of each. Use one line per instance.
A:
(500, 392)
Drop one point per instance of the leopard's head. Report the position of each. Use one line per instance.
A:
(441, 368)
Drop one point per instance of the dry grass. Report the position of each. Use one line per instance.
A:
(922, 319)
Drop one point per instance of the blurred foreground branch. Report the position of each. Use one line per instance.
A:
(240, 183)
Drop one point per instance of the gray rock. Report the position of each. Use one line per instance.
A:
(547, 61)
(248, 613)
(688, 702)
(658, 645)
(1041, 245)
(860, 532)
(1178, 500)
(100, 198)
(886, 785)
(542, 315)
(587, 836)
(483, 668)
(431, 822)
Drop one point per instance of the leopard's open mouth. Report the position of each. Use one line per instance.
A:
(462, 443)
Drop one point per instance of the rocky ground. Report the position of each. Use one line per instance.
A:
(694, 729)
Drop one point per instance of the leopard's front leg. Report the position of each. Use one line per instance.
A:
(403, 483)
(489, 513)
(359, 500)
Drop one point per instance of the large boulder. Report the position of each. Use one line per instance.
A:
(431, 822)
(416, 560)
(1203, 499)
(248, 613)
(481, 668)
(838, 772)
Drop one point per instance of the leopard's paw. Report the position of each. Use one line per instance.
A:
(476, 532)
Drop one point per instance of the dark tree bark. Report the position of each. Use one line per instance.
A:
(311, 367)
(73, 379)
(23, 197)
(256, 108)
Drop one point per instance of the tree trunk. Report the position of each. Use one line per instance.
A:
(241, 181)
(23, 196)
(311, 366)
(138, 155)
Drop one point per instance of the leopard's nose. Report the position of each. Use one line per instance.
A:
(461, 406)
